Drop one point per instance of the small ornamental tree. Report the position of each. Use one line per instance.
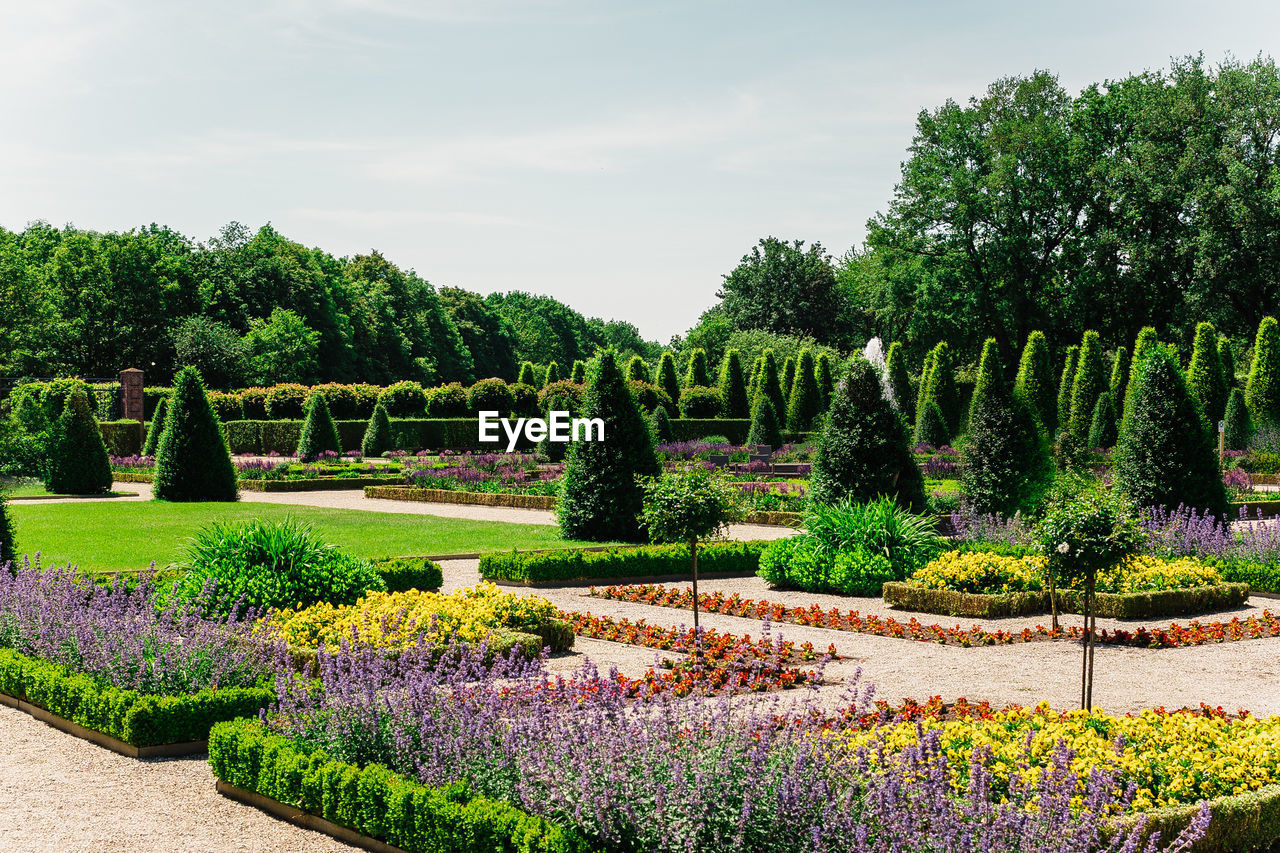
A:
(600, 499)
(931, 426)
(1034, 384)
(637, 370)
(825, 381)
(667, 379)
(78, 460)
(661, 426)
(319, 432)
(861, 452)
(377, 435)
(805, 402)
(788, 377)
(1262, 392)
(1103, 431)
(1165, 455)
(697, 374)
(1227, 360)
(1204, 374)
(942, 387)
(155, 428)
(1005, 462)
(8, 548)
(1065, 381)
(193, 462)
(553, 375)
(770, 386)
(527, 375)
(1239, 426)
(764, 424)
(1087, 384)
(734, 402)
(578, 374)
(1145, 342)
(895, 366)
(687, 507)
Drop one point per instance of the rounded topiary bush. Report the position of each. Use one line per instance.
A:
(365, 397)
(649, 397)
(447, 401)
(254, 403)
(524, 400)
(192, 461)
(227, 405)
(155, 428)
(404, 400)
(377, 435)
(319, 432)
(491, 395)
(562, 396)
(700, 402)
(78, 461)
(286, 401)
(343, 403)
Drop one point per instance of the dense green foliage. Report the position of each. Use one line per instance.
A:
(1088, 381)
(578, 374)
(940, 386)
(862, 451)
(1143, 344)
(1066, 381)
(805, 402)
(661, 425)
(764, 424)
(788, 376)
(931, 426)
(769, 385)
(599, 498)
(666, 378)
(8, 543)
(192, 461)
(405, 573)
(155, 428)
(696, 372)
(1165, 455)
(734, 401)
(825, 381)
(686, 506)
(78, 462)
(1262, 392)
(1119, 377)
(895, 367)
(1227, 361)
(319, 432)
(527, 375)
(1104, 425)
(1034, 383)
(1239, 426)
(620, 563)
(377, 436)
(1204, 374)
(551, 375)
(637, 370)
(698, 401)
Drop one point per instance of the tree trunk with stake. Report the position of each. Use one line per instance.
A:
(1086, 663)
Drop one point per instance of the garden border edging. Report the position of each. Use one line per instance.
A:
(62, 724)
(304, 819)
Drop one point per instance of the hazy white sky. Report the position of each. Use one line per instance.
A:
(621, 156)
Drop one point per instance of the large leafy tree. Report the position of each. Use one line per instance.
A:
(786, 288)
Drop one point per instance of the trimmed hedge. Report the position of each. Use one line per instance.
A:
(135, 718)
(447, 496)
(1134, 605)
(1262, 577)
(692, 429)
(411, 434)
(620, 563)
(405, 573)
(377, 802)
(1248, 821)
(123, 438)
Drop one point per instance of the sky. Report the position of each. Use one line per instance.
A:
(620, 156)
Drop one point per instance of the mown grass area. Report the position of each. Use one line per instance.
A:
(109, 536)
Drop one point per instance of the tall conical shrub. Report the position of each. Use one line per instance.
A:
(1143, 344)
(78, 461)
(805, 401)
(1227, 359)
(770, 386)
(156, 427)
(1262, 392)
(931, 426)
(1087, 385)
(579, 372)
(319, 432)
(553, 374)
(1165, 456)
(1065, 381)
(942, 386)
(193, 462)
(1034, 383)
(661, 425)
(1204, 373)
(861, 451)
(637, 370)
(1239, 425)
(734, 401)
(1103, 430)
(599, 498)
(8, 546)
(825, 382)
(764, 424)
(1119, 381)
(895, 366)
(527, 376)
(788, 376)
(1006, 466)
(667, 379)
(377, 435)
(697, 373)
(753, 380)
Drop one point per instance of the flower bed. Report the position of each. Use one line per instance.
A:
(578, 566)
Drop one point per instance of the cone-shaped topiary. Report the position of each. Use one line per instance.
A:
(825, 382)
(599, 498)
(764, 424)
(637, 370)
(667, 379)
(377, 435)
(319, 432)
(8, 547)
(553, 374)
(1034, 383)
(770, 386)
(942, 387)
(1262, 392)
(931, 426)
(861, 452)
(1119, 382)
(697, 373)
(78, 461)
(1227, 360)
(155, 428)
(753, 382)
(1103, 431)
(1006, 466)
(1087, 385)
(895, 366)
(1204, 374)
(734, 401)
(527, 376)
(788, 377)
(1165, 456)
(1065, 380)
(193, 462)
(579, 372)
(661, 425)
(1145, 342)
(1239, 424)
(805, 401)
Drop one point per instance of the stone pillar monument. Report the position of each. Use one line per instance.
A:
(132, 406)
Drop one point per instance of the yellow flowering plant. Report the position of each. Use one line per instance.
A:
(993, 574)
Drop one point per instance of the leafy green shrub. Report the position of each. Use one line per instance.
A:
(405, 573)
(564, 395)
(8, 548)
(227, 405)
(620, 563)
(788, 376)
(734, 401)
(526, 376)
(192, 460)
(666, 377)
(578, 374)
(319, 433)
(365, 397)
(697, 374)
(940, 386)
(801, 563)
(78, 463)
(342, 400)
(1262, 392)
(699, 402)
(862, 452)
(252, 400)
(895, 368)
(524, 400)
(649, 397)
(156, 428)
(1034, 384)
(1165, 456)
(637, 370)
(286, 401)
(600, 498)
(492, 395)
(1102, 429)
(377, 436)
(805, 400)
(122, 438)
(931, 426)
(1145, 342)
(404, 400)
(661, 425)
(764, 424)
(769, 385)
(907, 540)
(1086, 385)
(447, 401)
(1239, 425)
(553, 374)
(270, 565)
(1065, 383)
(825, 382)
(1204, 374)
(1119, 381)
(1227, 361)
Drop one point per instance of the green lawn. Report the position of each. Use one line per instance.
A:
(108, 536)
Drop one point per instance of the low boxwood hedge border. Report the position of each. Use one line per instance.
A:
(647, 562)
(1249, 821)
(138, 720)
(315, 484)
(373, 801)
(447, 496)
(1135, 605)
